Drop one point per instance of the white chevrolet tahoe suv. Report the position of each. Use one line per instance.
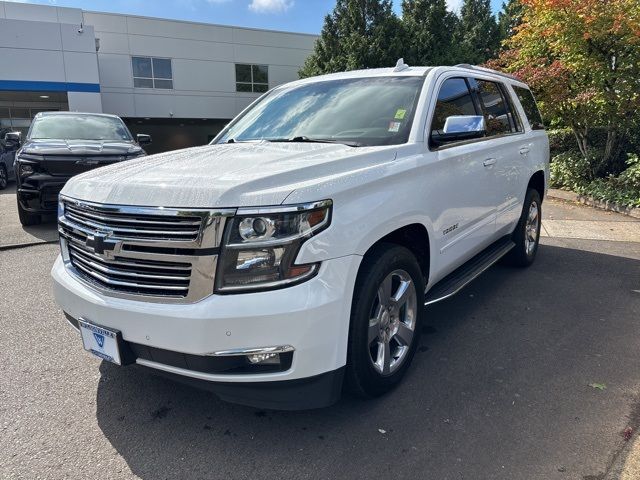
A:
(296, 252)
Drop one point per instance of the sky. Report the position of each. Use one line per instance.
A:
(289, 15)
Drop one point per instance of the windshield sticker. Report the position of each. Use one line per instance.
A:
(394, 127)
(400, 113)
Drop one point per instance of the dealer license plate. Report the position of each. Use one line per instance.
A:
(101, 342)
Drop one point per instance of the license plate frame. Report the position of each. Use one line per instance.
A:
(102, 342)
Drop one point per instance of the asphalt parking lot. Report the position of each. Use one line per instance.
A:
(12, 234)
(526, 374)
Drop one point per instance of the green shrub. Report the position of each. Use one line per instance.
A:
(570, 170)
(623, 189)
(562, 140)
(631, 176)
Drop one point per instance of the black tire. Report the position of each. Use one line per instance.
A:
(522, 255)
(4, 177)
(385, 260)
(27, 219)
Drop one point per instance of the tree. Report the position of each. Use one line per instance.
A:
(582, 58)
(509, 18)
(477, 33)
(429, 28)
(357, 34)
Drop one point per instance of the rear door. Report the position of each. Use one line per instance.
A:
(506, 152)
(536, 144)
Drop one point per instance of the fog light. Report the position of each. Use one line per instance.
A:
(264, 358)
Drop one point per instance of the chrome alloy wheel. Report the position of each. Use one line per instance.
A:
(532, 228)
(392, 322)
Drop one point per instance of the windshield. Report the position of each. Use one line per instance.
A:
(79, 127)
(356, 111)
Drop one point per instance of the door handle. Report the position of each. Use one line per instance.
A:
(524, 150)
(489, 161)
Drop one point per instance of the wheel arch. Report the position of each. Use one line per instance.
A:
(537, 182)
(414, 237)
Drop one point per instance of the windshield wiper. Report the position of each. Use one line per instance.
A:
(233, 140)
(305, 139)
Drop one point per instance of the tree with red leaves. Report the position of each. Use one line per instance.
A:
(582, 59)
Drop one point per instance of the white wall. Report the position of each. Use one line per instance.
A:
(42, 51)
(84, 102)
(203, 63)
(42, 43)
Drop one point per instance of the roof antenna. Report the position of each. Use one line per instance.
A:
(400, 65)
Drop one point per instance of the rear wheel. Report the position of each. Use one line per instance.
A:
(27, 218)
(4, 178)
(386, 316)
(527, 233)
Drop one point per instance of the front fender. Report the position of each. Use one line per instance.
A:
(374, 204)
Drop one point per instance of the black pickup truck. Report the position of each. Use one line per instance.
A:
(60, 145)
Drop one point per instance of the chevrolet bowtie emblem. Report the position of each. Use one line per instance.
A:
(102, 245)
(87, 161)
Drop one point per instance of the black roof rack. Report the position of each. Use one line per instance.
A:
(487, 70)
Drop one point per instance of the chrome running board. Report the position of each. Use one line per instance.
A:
(465, 274)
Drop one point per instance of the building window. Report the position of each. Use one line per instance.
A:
(252, 78)
(151, 72)
(19, 119)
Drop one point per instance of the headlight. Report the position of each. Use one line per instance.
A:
(28, 164)
(261, 245)
(25, 169)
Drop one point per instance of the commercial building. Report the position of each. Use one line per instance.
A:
(179, 81)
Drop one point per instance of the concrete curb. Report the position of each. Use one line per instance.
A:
(626, 464)
(14, 246)
(592, 202)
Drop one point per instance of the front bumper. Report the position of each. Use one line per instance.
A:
(313, 317)
(39, 194)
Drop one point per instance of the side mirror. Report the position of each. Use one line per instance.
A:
(12, 139)
(458, 128)
(143, 139)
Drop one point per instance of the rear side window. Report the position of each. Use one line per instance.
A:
(454, 98)
(494, 108)
(530, 108)
(514, 116)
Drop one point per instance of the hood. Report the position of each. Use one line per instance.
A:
(80, 147)
(227, 175)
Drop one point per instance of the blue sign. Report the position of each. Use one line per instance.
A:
(99, 338)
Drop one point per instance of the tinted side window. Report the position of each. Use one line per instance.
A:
(454, 98)
(530, 108)
(496, 114)
(514, 116)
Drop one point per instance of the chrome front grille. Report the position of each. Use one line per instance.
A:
(158, 278)
(145, 253)
(139, 226)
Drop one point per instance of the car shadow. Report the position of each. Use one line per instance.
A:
(499, 384)
(10, 190)
(47, 231)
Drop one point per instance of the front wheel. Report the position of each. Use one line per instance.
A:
(386, 318)
(527, 233)
(27, 218)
